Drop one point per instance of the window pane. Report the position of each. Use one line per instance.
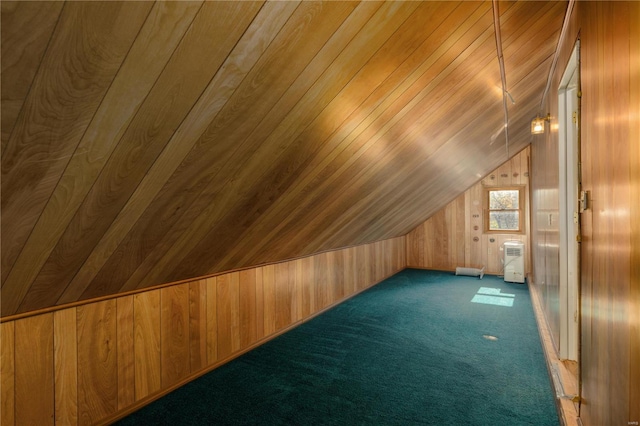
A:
(507, 199)
(508, 220)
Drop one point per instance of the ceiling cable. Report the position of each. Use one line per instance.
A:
(554, 62)
(503, 76)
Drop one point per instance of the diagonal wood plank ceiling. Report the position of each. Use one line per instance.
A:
(149, 142)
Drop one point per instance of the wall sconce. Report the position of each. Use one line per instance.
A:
(537, 124)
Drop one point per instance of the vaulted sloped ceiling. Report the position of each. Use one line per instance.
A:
(145, 143)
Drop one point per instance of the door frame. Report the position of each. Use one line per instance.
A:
(569, 189)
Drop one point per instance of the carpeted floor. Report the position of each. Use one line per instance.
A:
(413, 350)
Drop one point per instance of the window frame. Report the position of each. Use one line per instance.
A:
(487, 211)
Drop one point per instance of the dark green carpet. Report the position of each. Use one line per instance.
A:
(408, 351)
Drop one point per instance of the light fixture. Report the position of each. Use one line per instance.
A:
(537, 124)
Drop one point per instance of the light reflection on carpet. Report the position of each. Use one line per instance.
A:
(492, 296)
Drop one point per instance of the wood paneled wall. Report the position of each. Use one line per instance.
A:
(91, 363)
(454, 236)
(610, 260)
(153, 142)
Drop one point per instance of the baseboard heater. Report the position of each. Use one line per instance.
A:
(472, 272)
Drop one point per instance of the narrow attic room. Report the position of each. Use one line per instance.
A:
(259, 207)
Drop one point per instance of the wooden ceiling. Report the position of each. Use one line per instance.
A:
(145, 143)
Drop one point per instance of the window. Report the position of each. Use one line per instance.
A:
(504, 209)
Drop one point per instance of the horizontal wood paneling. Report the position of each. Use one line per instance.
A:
(155, 142)
(454, 236)
(85, 364)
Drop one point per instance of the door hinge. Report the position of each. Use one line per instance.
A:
(579, 93)
(583, 201)
(575, 117)
(579, 238)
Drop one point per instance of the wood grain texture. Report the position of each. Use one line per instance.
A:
(324, 223)
(606, 62)
(34, 371)
(22, 53)
(286, 165)
(157, 39)
(240, 61)
(272, 82)
(284, 295)
(307, 286)
(146, 320)
(174, 334)
(608, 282)
(228, 310)
(101, 358)
(83, 56)
(315, 173)
(247, 308)
(448, 239)
(212, 320)
(198, 324)
(97, 361)
(167, 141)
(126, 351)
(65, 360)
(323, 290)
(181, 82)
(634, 190)
(7, 374)
(350, 270)
(259, 303)
(269, 299)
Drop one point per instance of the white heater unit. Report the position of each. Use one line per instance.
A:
(514, 261)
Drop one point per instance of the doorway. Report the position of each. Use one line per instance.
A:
(569, 184)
